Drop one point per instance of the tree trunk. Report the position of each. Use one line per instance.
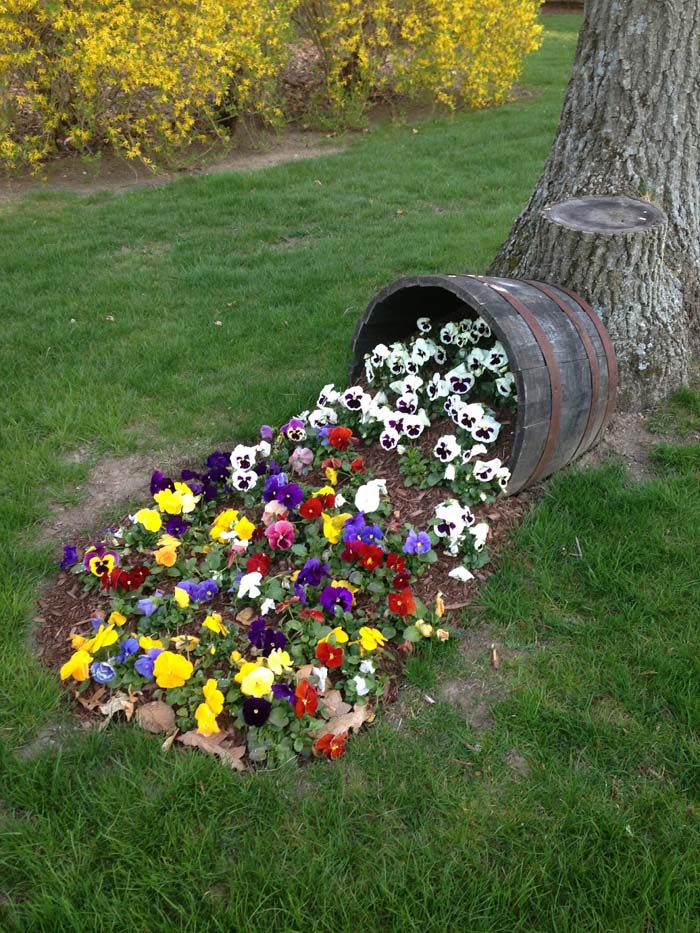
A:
(630, 127)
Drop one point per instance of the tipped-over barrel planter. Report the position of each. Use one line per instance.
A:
(558, 349)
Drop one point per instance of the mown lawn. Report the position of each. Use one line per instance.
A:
(425, 824)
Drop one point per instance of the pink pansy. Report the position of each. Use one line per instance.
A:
(273, 511)
(280, 535)
(301, 459)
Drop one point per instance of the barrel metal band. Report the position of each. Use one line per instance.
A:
(586, 438)
(553, 373)
(609, 355)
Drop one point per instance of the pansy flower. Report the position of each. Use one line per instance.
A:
(495, 358)
(486, 430)
(448, 334)
(480, 533)
(417, 542)
(243, 457)
(77, 666)
(332, 746)
(331, 656)
(505, 384)
(290, 495)
(389, 438)
(311, 509)
(280, 535)
(447, 448)
(333, 597)
(70, 556)
(371, 638)
(159, 482)
(485, 471)
(243, 480)
(99, 560)
(340, 438)
(172, 670)
(306, 699)
(402, 603)
(355, 399)
(256, 711)
(294, 430)
(460, 380)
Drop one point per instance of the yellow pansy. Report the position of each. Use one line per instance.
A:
(424, 628)
(236, 658)
(77, 666)
(214, 624)
(224, 521)
(104, 636)
(187, 497)
(167, 540)
(258, 682)
(332, 525)
(244, 529)
(99, 566)
(172, 670)
(77, 642)
(149, 518)
(371, 638)
(181, 597)
(279, 661)
(116, 618)
(168, 501)
(146, 643)
(213, 696)
(206, 720)
(165, 556)
(246, 668)
(324, 491)
(188, 642)
(338, 633)
(332, 476)
(346, 585)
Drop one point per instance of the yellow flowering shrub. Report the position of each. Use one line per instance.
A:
(455, 52)
(140, 75)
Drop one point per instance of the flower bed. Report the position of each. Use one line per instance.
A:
(261, 608)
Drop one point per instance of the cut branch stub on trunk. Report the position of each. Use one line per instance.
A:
(557, 348)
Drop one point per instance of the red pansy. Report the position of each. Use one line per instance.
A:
(258, 563)
(371, 556)
(315, 614)
(402, 603)
(327, 500)
(312, 508)
(340, 438)
(358, 465)
(352, 551)
(401, 580)
(396, 562)
(120, 579)
(330, 655)
(307, 699)
(331, 745)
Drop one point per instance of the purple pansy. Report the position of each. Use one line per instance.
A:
(266, 432)
(353, 526)
(70, 556)
(256, 711)
(417, 542)
(335, 596)
(176, 526)
(102, 672)
(272, 486)
(127, 648)
(159, 482)
(370, 534)
(283, 692)
(144, 664)
(313, 572)
(263, 638)
(290, 495)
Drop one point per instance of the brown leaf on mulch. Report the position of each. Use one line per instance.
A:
(119, 703)
(348, 722)
(156, 716)
(334, 703)
(231, 755)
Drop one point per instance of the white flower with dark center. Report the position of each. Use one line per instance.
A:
(475, 362)
(355, 399)
(408, 384)
(379, 355)
(437, 388)
(503, 477)
(485, 470)
(495, 358)
(480, 533)
(424, 325)
(460, 380)
(440, 356)
(389, 438)
(447, 448)
(473, 452)
(408, 404)
(449, 333)
(414, 425)
(266, 606)
(450, 519)
(461, 574)
(243, 480)
(394, 422)
(470, 415)
(411, 367)
(505, 385)
(242, 457)
(396, 361)
(486, 430)
(452, 403)
(328, 396)
(422, 351)
(482, 328)
(322, 416)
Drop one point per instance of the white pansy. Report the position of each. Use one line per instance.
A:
(503, 477)
(360, 685)
(379, 355)
(389, 438)
(328, 396)
(505, 385)
(408, 403)
(460, 380)
(414, 425)
(340, 500)
(461, 574)
(367, 667)
(440, 356)
(480, 533)
(450, 519)
(264, 448)
(320, 673)
(422, 351)
(243, 480)
(485, 470)
(424, 325)
(475, 362)
(369, 371)
(473, 452)
(250, 585)
(447, 448)
(369, 494)
(471, 415)
(266, 606)
(448, 333)
(437, 388)
(486, 430)
(355, 399)
(320, 417)
(408, 384)
(482, 328)
(450, 472)
(242, 457)
(495, 358)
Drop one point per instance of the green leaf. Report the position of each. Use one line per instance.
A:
(411, 634)
(278, 717)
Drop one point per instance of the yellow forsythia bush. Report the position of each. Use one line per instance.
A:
(149, 76)
(456, 52)
(140, 75)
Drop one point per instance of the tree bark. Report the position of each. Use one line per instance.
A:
(630, 126)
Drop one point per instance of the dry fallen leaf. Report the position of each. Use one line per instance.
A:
(214, 745)
(495, 660)
(349, 721)
(335, 704)
(91, 702)
(119, 703)
(246, 616)
(169, 741)
(304, 672)
(156, 716)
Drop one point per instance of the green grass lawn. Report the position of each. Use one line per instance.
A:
(425, 824)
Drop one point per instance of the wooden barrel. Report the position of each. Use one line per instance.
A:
(559, 353)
